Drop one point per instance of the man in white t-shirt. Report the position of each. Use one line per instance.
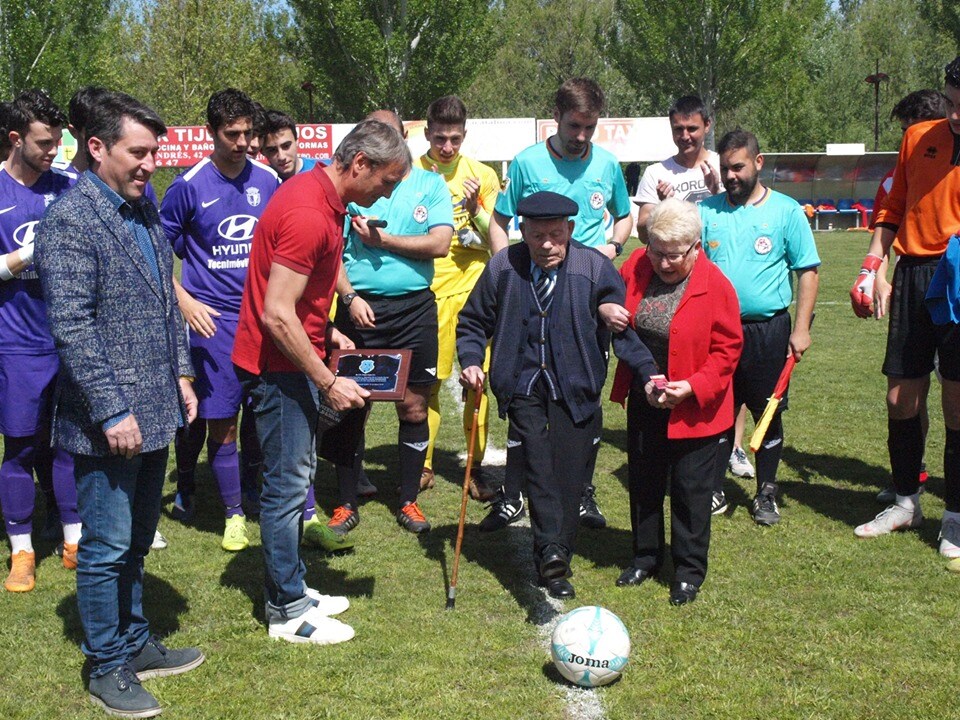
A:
(693, 174)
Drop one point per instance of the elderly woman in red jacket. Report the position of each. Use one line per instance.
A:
(686, 312)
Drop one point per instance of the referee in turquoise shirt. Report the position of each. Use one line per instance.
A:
(385, 301)
(760, 238)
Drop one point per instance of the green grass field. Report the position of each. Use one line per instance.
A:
(801, 620)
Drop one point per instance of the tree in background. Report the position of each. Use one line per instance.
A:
(540, 44)
(49, 44)
(173, 54)
(910, 51)
(944, 15)
(395, 54)
(722, 50)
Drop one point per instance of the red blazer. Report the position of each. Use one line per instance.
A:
(705, 342)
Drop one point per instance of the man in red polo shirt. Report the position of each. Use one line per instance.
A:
(280, 349)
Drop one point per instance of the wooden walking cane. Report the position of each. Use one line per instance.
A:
(452, 592)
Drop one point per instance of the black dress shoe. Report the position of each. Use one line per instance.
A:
(559, 588)
(633, 576)
(554, 565)
(682, 593)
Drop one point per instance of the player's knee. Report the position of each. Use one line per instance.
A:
(222, 431)
(415, 414)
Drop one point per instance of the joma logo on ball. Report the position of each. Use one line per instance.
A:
(589, 662)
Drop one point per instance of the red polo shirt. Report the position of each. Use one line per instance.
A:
(301, 229)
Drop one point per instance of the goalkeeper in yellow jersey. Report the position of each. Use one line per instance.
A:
(473, 190)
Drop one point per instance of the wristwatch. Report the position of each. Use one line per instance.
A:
(345, 300)
(618, 247)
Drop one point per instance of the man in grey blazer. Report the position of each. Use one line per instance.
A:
(106, 272)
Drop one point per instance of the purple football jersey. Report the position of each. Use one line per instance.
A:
(23, 314)
(209, 220)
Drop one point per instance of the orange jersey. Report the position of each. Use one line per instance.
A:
(924, 201)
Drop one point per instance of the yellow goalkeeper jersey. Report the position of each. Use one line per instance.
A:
(459, 270)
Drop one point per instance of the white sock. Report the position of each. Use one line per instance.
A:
(20, 542)
(908, 501)
(71, 533)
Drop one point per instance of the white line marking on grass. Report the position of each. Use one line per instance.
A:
(581, 703)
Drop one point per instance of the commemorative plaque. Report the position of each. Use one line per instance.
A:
(383, 372)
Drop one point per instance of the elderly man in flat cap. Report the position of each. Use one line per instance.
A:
(543, 302)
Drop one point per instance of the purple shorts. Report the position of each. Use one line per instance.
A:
(26, 393)
(217, 387)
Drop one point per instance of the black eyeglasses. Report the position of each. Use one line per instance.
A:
(672, 258)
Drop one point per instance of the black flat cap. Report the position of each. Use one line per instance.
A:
(546, 204)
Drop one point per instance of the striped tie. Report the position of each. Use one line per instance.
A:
(543, 287)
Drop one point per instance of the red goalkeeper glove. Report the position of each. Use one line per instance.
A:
(861, 294)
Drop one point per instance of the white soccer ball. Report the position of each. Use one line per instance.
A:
(590, 646)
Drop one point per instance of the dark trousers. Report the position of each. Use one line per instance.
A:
(688, 466)
(765, 344)
(557, 453)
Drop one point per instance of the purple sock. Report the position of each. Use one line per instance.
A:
(310, 508)
(17, 493)
(188, 444)
(65, 486)
(225, 466)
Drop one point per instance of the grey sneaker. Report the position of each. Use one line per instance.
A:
(156, 660)
(120, 694)
(950, 537)
(895, 517)
(765, 510)
(739, 464)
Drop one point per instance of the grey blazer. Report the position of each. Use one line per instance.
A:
(119, 334)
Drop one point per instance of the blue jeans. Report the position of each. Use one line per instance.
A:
(286, 405)
(119, 505)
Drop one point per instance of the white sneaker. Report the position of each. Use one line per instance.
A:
(159, 541)
(950, 538)
(311, 627)
(895, 517)
(327, 604)
(739, 464)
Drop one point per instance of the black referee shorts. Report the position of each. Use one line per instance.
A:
(403, 322)
(913, 339)
(765, 344)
